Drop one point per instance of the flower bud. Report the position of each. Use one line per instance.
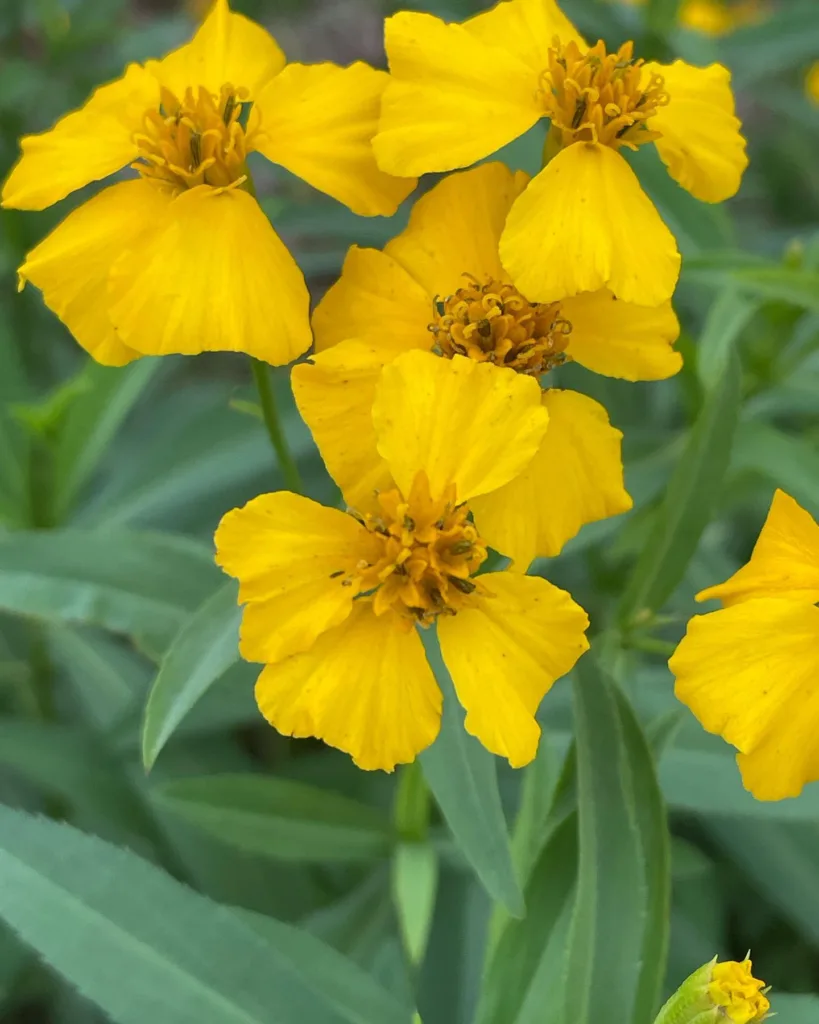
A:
(718, 993)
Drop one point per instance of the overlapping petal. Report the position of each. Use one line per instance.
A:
(526, 28)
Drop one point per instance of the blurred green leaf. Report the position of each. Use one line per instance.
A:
(728, 316)
(788, 461)
(788, 37)
(661, 15)
(795, 1009)
(278, 818)
(414, 885)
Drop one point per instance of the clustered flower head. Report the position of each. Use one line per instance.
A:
(720, 992)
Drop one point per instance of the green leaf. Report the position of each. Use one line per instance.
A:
(689, 501)
(786, 460)
(786, 38)
(206, 646)
(140, 945)
(661, 15)
(795, 1009)
(727, 318)
(783, 284)
(414, 884)
(278, 818)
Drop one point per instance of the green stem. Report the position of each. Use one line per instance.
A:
(287, 464)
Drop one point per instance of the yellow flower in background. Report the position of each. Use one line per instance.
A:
(459, 92)
(181, 258)
(716, 993)
(749, 671)
(812, 83)
(717, 17)
(440, 286)
(332, 599)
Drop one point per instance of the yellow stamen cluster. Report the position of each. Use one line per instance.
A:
(425, 552)
(595, 96)
(493, 322)
(738, 993)
(195, 141)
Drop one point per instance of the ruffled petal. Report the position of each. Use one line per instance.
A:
(364, 687)
(584, 223)
(749, 674)
(576, 477)
(784, 562)
(505, 653)
(463, 422)
(291, 556)
(376, 301)
(526, 28)
(452, 98)
(71, 266)
(335, 394)
(228, 49)
(455, 228)
(621, 339)
(84, 146)
(216, 278)
(318, 121)
(701, 144)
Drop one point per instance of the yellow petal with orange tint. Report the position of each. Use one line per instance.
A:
(364, 687)
(505, 653)
(463, 422)
(453, 98)
(84, 146)
(526, 28)
(71, 265)
(454, 229)
(584, 223)
(621, 339)
(376, 301)
(318, 121)
(576, 477)
(784, 562)
(217, 279)
(700, 139)
(749, 673)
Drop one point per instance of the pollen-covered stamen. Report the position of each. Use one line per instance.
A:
(195, 141)
(595, 96)
(493, 322)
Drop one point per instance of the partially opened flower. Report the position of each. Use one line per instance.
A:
(459, 92)
(724, 992)
(333, 599)
(749, 671)
(181, 257)
(439, 286)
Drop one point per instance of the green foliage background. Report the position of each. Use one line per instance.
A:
(270, 880)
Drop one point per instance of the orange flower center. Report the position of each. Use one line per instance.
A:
(595, 96)
(493, 322)
(738, 993)
(195, 141)
(423, 553)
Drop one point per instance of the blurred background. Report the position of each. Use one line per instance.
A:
(155, 453)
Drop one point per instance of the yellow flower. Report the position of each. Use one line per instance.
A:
(181, 258)
(440, 286)
(459, 92)
(812, 83)
(332, 599)
(749, 671)
(718, 993)
(716, 17)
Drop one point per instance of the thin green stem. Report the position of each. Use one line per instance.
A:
(288, 466)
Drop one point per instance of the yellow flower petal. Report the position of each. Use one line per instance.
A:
(290, 555)
(452, 98)
(576, 477)
(84, 146)
(463, 422)
(335, 394)
(228, 49)
(318, 121)
(812, 83)
(584, 223)
(621, 339)
(216, 277)
(455, 228)
(504, 655)
(71, 266)
(376, 301)
(749, 674)
(364, 687)
(784, 562)
(527, 28)
(701, 144)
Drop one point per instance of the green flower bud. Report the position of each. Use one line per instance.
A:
(718, 993)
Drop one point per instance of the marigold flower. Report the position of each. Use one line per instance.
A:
(332, 599)
(748, 671)
(182, 258)
(718, 993)
(439, 286)
(459, 92)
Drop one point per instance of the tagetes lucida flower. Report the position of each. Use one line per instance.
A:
(459, 92)
(724, 992)
(439, 286)
(181, 258)
(334, 600)
(749, 671)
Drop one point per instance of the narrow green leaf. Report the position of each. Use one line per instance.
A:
(786, 460)
(728, 316)
(278, 818)
(782, 284)
(414, 885)
(785, 39)
(661, 15)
